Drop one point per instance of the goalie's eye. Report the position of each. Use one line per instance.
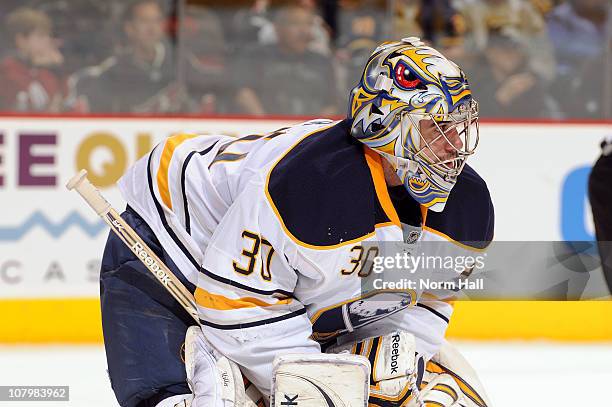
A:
(406, 79)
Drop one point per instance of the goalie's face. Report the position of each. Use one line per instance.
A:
(443, 142)
(431, 152)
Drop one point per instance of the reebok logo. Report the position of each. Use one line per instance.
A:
(395, 344)
(151, 264)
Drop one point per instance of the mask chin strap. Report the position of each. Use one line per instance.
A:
(414, 168)
(411, 167)
(383, 83)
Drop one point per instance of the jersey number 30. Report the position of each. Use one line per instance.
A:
(257, 241)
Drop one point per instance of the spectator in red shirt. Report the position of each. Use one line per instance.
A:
(30, 81)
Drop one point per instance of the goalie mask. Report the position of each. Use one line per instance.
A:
(415, 108)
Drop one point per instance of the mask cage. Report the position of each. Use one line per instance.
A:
(442, 142)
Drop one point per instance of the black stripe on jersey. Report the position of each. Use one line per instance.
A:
(253, 324)
(227, 157)
(183, 191)
(224, 280)
(162, 216)
(433, 311)
(222, 156)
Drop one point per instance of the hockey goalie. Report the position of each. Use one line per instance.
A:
(268, 232)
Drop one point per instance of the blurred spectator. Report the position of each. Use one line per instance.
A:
(30, 81)
(360, 31)
(141, 77)
(442, 25)
(251, 26)
(405, 19)
(254, 26)
(202, 65)
(286, 77)
(521, 16)
(580, 31)
(320, 32)
(544, 6)
(86, 29)
(504, 85)
(436, 22)
(6, 7)
(329, 13)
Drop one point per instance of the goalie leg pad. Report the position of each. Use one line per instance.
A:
(442, 390)
(320, 380)
(448, 361)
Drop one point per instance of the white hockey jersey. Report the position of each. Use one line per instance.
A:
(270, 229)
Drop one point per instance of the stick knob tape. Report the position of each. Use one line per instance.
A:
(81, 184)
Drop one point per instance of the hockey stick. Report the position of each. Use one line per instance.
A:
(131, 239)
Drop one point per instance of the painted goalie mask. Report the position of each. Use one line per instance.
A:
(415, 107)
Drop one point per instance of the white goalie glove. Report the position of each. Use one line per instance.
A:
(401, 378)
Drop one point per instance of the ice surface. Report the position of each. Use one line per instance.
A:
(514, 373)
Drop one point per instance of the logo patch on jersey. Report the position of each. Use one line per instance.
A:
(412, 237)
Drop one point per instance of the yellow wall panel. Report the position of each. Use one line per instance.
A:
(74, 320)
(77, 320)
(556, 320)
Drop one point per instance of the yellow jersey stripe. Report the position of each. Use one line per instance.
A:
(380, 185)
(423, 215)
(219, 302)
(162, 172)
